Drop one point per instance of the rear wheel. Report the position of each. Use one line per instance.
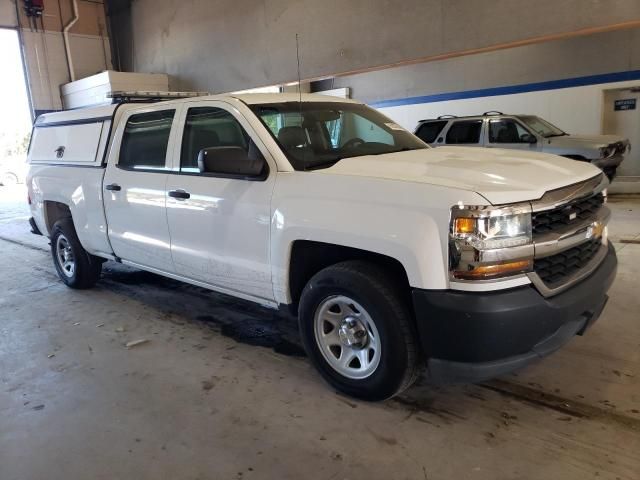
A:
(75, 266)
(357, 331)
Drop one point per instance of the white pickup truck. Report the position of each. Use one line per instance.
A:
(392, 254)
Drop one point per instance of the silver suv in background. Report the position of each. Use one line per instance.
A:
(524, 132)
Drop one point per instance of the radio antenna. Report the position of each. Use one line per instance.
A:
(304, 154)
(299, 80)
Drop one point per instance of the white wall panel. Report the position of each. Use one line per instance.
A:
(91, 54)
(46, 67)
(47, 63)
(8, 14)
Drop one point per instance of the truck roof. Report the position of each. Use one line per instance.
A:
(256, 98)
(106, 111)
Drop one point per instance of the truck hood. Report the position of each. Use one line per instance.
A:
(585, 141)
(499, 175)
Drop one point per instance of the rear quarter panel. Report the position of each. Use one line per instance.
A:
(80, 188)
(65, 166)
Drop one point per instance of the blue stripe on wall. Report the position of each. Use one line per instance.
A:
(527, 87)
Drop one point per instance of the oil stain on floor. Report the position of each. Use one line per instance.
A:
(240, 320)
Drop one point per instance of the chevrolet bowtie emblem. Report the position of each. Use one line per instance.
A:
(595, 230)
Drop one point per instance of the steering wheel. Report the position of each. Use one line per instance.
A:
(354, 142)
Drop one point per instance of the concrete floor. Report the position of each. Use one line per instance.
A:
(221, 391)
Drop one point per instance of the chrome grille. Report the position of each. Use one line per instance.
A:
(554, 270)
(573, 211)
(569, 234)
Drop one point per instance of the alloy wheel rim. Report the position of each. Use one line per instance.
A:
(347, 337)
(64, 256)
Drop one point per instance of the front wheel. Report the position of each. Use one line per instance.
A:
(357, 331)
(75, 266)
(610, 172)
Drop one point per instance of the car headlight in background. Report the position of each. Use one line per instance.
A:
(606, 152)
(487, 242)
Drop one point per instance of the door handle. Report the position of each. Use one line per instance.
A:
(114, 187)
(179, 194)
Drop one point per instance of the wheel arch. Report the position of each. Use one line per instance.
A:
(310, 257)
(54, 211)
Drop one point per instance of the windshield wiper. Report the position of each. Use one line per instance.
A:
(556, 135)
(403, 149)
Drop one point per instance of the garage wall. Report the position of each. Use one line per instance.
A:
(8, 14)
(43, 49)
(594, 54)
(225, 45)
(563, 81)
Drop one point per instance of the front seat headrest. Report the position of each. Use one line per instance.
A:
(292, 137)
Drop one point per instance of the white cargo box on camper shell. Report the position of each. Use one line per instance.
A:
(93, 90)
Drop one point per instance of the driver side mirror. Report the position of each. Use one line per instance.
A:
(528, 138)
(233, 161)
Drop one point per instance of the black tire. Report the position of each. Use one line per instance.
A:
(367, 285)
(610, 173)
(87, 267)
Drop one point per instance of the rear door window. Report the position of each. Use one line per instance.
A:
(145, 141)
(464, 132)
(428, 131)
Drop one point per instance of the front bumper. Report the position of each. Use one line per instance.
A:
(610, 162)
(470, 337)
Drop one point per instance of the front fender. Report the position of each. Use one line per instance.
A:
(406, 221)
(564, 151)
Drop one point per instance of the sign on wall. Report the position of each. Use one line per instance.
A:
(624, 104)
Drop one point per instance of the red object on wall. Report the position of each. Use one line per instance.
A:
(34, 8)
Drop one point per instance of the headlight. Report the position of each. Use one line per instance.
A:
(606, 152)
(493, 232)
(486, 242)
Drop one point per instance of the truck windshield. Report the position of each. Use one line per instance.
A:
(318, 134)
(542, 127)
